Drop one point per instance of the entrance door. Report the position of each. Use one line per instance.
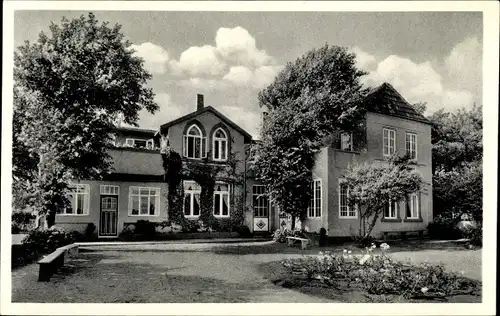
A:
(260, 202)
(109, 216)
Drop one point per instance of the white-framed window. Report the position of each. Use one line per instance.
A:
(144, 201)
(221, 200)
(345, 211)
(140, 143)
(192, 192)
(194, 143)
(260, 201)
(413, 206)
(389, 142)
(79, 198)
(411, 145)
(110, 189)
(314, 209)
(391, 210)
(219, 145)
(346, 141)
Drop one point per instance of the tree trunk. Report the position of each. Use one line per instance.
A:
(293, 222)
(371, 225)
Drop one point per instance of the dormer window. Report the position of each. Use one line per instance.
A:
(219, 145)
(194, 143)
(140, 143)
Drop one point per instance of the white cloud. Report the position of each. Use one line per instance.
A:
(464, 65)
(201, 61)
(235, 49)
(155, 57)
(258, 79)
(364, 60)
(238, 46)
(417, 82)
(204, 84)
(248, 119)
(168, 111)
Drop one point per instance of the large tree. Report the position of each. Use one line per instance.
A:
(70, 87)
(309, 99)
(457, 153)
(373, 184)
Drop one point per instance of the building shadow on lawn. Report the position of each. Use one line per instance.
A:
(119, 280)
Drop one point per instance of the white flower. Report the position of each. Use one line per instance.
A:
(349, 251)
(424, 290)
(384, 246)
(364, 259)
(345, 250)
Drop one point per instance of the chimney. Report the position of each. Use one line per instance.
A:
(199, 102)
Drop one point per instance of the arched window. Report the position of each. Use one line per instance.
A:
(219, 145)
(194, 143)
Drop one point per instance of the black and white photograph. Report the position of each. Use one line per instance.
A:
(249, 152)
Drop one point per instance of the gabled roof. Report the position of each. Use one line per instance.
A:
(384, 99)
(210, 109)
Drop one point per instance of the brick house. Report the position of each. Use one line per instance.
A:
(135, 190)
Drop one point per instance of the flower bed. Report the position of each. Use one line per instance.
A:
(377, 277)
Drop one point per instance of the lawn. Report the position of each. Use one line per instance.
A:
(222, 274)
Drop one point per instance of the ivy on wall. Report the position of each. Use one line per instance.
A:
(206, 173)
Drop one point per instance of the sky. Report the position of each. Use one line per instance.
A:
(432, 57)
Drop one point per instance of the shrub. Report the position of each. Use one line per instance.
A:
(23, 220)
(40, 242)
(475, 235)
(145, 229)
(88, 235)
(444, 227)
(15, 229)
(281, 234)
(243, 231)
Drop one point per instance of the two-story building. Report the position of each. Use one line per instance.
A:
(136, 189)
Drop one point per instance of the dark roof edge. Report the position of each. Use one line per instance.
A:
(207, 109)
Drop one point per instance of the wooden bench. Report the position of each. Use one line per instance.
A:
(402, 234)
(50, 263)
(303, 241)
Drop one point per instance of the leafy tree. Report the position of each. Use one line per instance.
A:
(420, 107)
(373, 184)
(310, 99)
(70, 88)
(457, 163)
(457, 137)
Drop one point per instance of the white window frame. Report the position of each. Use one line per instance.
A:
(219, 141)
(73, 197)
(391, 142)
(131, 142)
(191, 194)
(412, 141)
(314, 210)
(394, 212)
(260, 207)
(203, 143)
(347, 209)
(131, 195)
(221, 200)
(108, 189)
(348, 141)
(414, 214)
